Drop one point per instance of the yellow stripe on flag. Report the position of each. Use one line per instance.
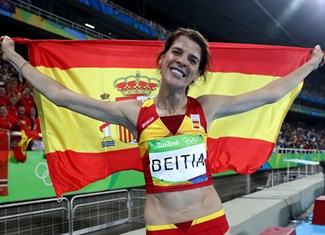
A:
(64, 129)
(262, 123)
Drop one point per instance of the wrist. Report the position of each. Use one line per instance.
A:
(14, 59)
(313, 64)
(20, 68)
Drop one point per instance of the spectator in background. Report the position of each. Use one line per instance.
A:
(299, 135)
(18, 122)
(36, 144)
(35, 123)
(5, 122)
(21, 120)
(27, 84)
(27, 99)
(12, 87)
(12, 105)
(3, 96)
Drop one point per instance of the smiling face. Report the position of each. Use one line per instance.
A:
(180, 65)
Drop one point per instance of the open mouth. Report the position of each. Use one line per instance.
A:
(178, 73)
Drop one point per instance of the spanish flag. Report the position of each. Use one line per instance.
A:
(81, 150)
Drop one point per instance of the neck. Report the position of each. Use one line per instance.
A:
(171, 104)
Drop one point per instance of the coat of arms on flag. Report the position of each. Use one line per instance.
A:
(138, 87)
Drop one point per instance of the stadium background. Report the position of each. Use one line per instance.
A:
(221, 21)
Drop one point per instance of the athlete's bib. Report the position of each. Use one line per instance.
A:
(177, 160)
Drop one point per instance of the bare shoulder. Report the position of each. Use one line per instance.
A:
(208, 99)
(123, 112)
(211, 104)
(132, 102)
(129, 106)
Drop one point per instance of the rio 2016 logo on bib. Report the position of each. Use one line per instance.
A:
(167, 144)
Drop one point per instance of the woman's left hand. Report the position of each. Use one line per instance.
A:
(317, 57)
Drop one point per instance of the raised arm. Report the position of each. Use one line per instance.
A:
(216, 106)
(122, 113)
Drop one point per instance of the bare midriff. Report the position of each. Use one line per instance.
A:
(181, 206)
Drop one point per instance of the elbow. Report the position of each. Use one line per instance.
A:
(57, 98)
(59, 103)
(274, 99)
(273, 96)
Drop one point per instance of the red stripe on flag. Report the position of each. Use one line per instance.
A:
(242, 155)
(257, 59)
(120, 130)
(130, 136)
(110, 53)
(102, 127)
(71, 170)
(125, 137)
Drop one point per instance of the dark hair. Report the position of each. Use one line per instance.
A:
(194, 35)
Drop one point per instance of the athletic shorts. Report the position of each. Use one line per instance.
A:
(213, 224)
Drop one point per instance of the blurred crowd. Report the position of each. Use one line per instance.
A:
(299, 135)
(18, 108)
(17, 103)
(315, 92)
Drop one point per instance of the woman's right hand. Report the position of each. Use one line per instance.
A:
(317, 57)
(7, 45)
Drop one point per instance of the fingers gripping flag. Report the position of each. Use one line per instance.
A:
(80, 150)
